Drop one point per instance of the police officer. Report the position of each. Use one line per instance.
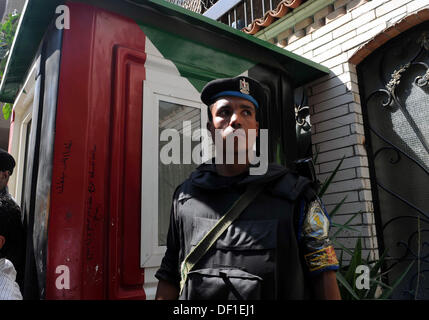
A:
(278, 248)
(12, 234)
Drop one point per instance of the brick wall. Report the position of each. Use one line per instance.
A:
(338, 37)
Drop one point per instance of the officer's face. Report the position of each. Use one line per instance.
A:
(231, 114)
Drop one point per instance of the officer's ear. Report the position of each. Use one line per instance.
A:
(210, 126)
(211, 130)
(256, 113)
(2, 241)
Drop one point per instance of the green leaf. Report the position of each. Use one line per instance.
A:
(388, 293)
(7, 110)
(356, 261)
(316, 155)
(380, 283)
(7, 34)
(278, 153)
(341, 227)
(338, 244)
(331, 177)
(367, 258)
(337, 207)
(374, 284)
(377, 265)
(346, 285)
(345, 226)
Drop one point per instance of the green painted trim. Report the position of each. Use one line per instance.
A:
(195, 61)
(304, 11)
(236, 32)
(35, 18)
(38, 15)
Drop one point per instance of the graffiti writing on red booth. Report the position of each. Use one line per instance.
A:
(92, 209)
(66, 155)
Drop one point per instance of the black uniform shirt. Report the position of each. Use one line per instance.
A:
(279, 239)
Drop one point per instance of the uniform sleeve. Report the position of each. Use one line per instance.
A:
(313, 235)
(169, 269)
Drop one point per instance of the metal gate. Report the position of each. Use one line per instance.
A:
(394, 88)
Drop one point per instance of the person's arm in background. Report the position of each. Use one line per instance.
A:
(319, 254)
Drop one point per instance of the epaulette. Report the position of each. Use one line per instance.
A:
(291, 186)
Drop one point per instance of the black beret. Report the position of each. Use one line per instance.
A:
(7, 162)
(243, 87)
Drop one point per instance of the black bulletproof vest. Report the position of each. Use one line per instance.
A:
(258, 256)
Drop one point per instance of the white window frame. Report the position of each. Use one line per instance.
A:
(162, 85)
(23, 113)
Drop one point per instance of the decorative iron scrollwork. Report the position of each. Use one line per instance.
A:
(302, 110)
(301, 115)
(391, 87)
(396, 78)
(423, 40)
(422, 81)
(391, 148)
(402, 86)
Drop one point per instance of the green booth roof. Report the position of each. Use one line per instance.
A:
(38, 14)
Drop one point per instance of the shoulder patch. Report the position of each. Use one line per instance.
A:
(316, 224)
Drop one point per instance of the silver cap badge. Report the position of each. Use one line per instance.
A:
(244, 86)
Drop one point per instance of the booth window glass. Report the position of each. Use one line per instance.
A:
(173, 116)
